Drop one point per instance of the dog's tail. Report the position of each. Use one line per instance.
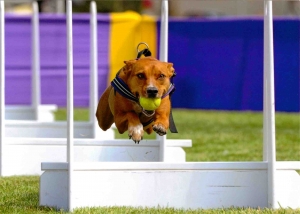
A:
(104, 115)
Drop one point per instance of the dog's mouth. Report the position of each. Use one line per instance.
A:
(137, 95)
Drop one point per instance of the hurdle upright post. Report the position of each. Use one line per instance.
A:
(163, 56)
(35, 80)
(2, 86)
(70, 107)
(269, 152)
(93, 65)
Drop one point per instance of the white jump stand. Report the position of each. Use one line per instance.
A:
(36, 111)
(179, 185)
(73, 184)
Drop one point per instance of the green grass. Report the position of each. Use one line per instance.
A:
(235, 136)
(216, 136)
(226, 136)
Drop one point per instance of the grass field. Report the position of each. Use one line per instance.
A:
(216, 136)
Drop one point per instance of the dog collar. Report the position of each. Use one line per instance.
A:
(122, 88)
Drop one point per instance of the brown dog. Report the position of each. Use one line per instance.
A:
(144, 77)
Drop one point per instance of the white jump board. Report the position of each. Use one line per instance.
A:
(178, 185)
(58, 129)
(19, 112)
(23, 156)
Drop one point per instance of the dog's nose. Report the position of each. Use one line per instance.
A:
(152, 92)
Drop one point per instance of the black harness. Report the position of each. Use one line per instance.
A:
(122, 88)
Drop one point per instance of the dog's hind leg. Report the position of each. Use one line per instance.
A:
(104, 115)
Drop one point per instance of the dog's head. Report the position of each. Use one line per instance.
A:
(147, 77)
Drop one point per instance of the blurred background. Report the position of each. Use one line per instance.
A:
(191, 8)
(215, 45)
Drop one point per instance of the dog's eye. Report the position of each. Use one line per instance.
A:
(161, 76)
(141, 76)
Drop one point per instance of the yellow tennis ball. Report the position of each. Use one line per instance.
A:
(150, 104)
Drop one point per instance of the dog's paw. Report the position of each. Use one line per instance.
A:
(159, 129)
(136, 133)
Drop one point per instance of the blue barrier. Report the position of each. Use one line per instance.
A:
(219, 63)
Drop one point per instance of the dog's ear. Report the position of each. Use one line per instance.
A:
(130, 62)
(126, 70)
(171, 69)
(128, 66)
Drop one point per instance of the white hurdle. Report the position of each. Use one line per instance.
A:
(36, 111)
(26, 144)
(180, 185)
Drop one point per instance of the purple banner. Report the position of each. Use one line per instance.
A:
(53, 58)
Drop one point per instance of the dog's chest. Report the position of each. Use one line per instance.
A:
(135, 106)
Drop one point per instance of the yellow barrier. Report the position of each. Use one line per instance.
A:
(127, 29)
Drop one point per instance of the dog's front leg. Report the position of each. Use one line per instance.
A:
(161, 122)
(131, 122)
